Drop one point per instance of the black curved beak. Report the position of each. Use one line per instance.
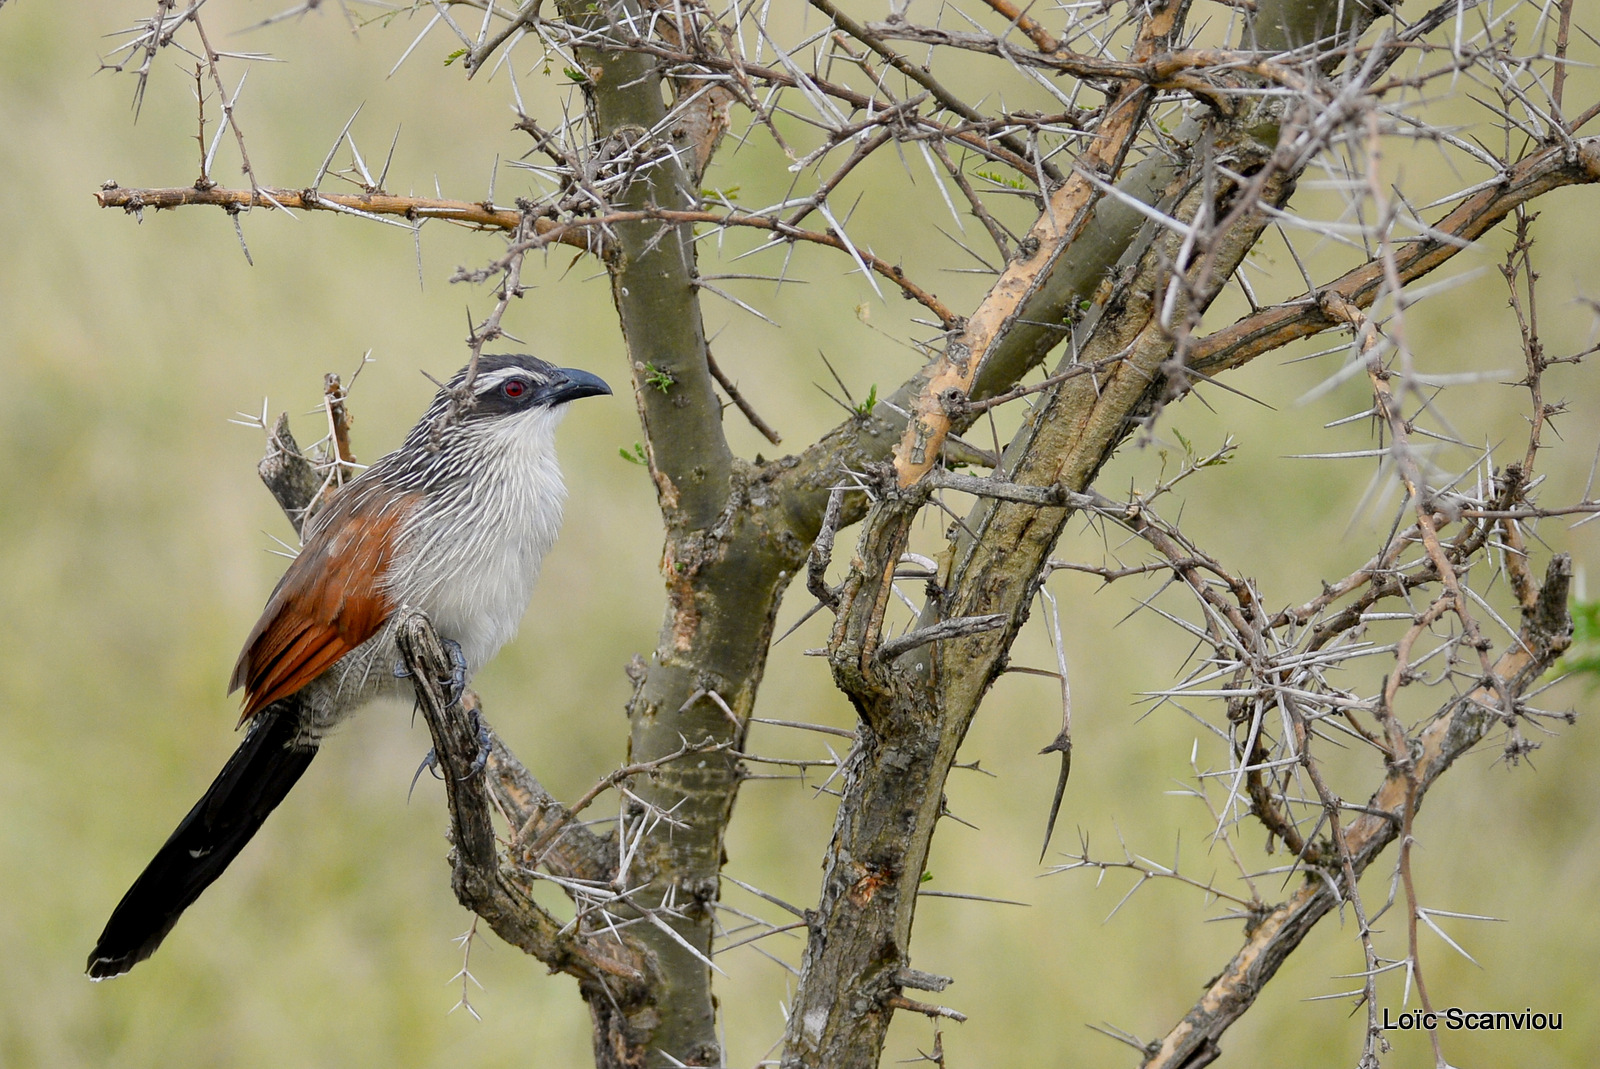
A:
(572, 383)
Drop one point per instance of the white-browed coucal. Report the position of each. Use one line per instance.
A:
(455, 523)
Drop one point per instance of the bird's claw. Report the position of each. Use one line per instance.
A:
(430, 762)
(456, 685)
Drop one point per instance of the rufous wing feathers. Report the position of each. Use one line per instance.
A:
(329, 601)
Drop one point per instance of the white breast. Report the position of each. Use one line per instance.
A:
(470, 555)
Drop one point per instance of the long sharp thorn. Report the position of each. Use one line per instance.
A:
(238, 229)
(1063, 745)
(389, 159)
(850, 247)
(322, 171)
(211, 153)
(412, 47)
(361, 164)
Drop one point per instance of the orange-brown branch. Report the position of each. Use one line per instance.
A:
(415, 209)
(1066, 212)
(1042, 38)
(412, 209)
(578, 233)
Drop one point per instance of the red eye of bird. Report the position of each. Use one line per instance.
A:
(514, 388)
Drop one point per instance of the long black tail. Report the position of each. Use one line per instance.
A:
(255, 779)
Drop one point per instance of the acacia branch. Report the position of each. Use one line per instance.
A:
(716, 620)
(415, 210)
(1066, 214)
(289, 477)
(916, 710)
(1454, 730)
(568, 850)
(1272, 328)
(580, 232)
(482, 883)
(921, 76)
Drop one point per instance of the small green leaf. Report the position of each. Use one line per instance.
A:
(452, 57)
(659, 378)
(635, 457)
(926, 876)
(865, 407)
(1001, 180)
(575, 75)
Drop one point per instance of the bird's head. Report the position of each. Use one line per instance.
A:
(509, 394)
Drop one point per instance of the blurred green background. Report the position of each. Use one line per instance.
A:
(136, 550)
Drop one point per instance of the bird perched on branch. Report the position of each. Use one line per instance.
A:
(455, 523)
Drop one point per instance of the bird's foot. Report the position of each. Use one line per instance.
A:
(430, 761)
(456, 685)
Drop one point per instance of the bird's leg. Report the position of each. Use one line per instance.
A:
(458, 672)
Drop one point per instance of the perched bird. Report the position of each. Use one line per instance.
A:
(455, 523)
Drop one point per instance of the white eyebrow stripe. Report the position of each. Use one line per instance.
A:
(489, 380)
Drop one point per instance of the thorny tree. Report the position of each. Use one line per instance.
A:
(1151, 158)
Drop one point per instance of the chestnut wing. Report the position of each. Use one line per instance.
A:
(329, 601)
